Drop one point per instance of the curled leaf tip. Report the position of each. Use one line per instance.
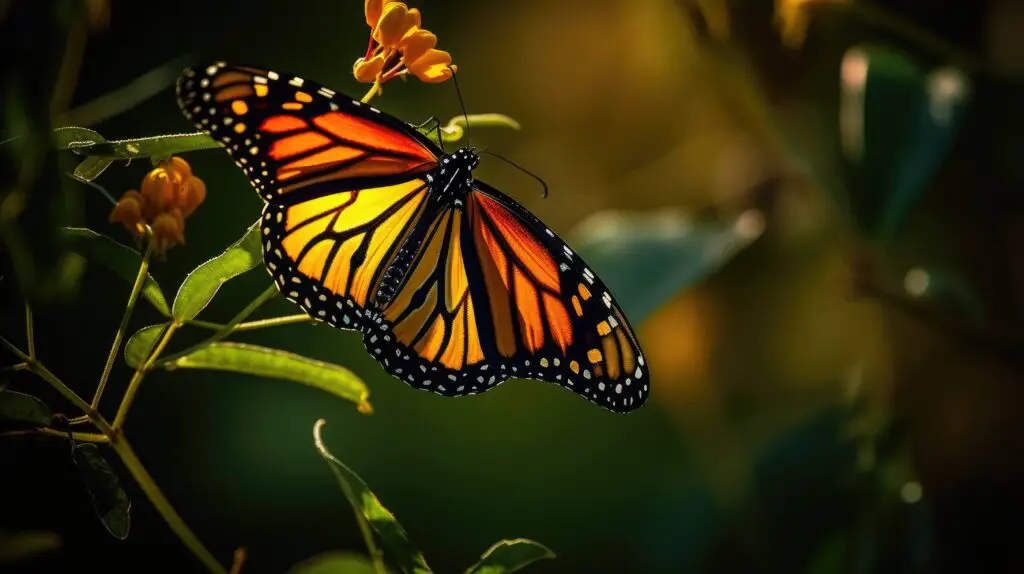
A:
(365, 408)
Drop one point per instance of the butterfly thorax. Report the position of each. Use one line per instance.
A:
(452, 179)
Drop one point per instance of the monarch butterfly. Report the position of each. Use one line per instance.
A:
(369, 226)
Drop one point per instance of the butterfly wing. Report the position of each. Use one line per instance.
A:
(494, 294)
(343, 181)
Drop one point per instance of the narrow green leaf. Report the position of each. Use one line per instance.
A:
(19, 409)
(72, 138)
(510, 556)
(108, 498)
(897, 125)
(336, 562)
(645, 259)
(18, 545)
(91, 167)
(141, 344)
(119, 258)
(274, 363)
(202, 283)
(394, 540)
(155, 146)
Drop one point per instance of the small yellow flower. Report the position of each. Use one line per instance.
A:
(168, 195)
(128, 211)
(399, 46)
(168, 230)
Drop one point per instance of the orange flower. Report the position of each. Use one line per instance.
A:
(400, 46)
(168, 195)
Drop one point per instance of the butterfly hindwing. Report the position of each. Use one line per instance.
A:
(493, 294)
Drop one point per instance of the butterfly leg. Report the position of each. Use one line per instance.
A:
(436, 129)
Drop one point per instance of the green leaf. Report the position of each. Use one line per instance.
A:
(156, 146)
(108, 498)
(91, 168)
(17, 545)
(897, 125)
(645, 259)
(274, 363)
(20, 409)
(141, 344)
(72, 138)
(334, 563)
(393, 539)
(119, 258)
(510, 556)
(202, 283)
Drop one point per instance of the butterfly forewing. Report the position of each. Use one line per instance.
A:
(295, 139)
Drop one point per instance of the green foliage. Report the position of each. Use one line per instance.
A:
(510, 556)
(81, 139)
(897, 123)
(368, 508)
(334, 563)
(141, 344)
(19, 409)
(202, 283)
(668, 250)
(266, 362)
(117, 257)
(108, 498)
(503, 557)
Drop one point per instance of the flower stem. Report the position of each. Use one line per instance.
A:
(374, 90)
(140, 373)
(163, 506)
(140, 280)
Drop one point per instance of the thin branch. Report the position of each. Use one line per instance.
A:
(140, 280)
(253, 325)
(140, 373)
(78, 436)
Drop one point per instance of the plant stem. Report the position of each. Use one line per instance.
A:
(45, 374)
(30, 334)
(163, 506)
(140, 373)
(228, 328)
(79, 436)
(374, 90)
(140, 280)
(253, 325)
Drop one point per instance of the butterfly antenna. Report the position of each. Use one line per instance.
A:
(462, 104)
(517, 166)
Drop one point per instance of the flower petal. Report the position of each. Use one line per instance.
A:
(432, 67)
(366, 71)
(373, 9)
(416, 43)
(395, 22)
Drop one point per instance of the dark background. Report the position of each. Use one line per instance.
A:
(751, 457)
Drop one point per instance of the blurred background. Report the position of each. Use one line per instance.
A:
(841, 394)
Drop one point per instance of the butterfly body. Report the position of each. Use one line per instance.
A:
(369, 226)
